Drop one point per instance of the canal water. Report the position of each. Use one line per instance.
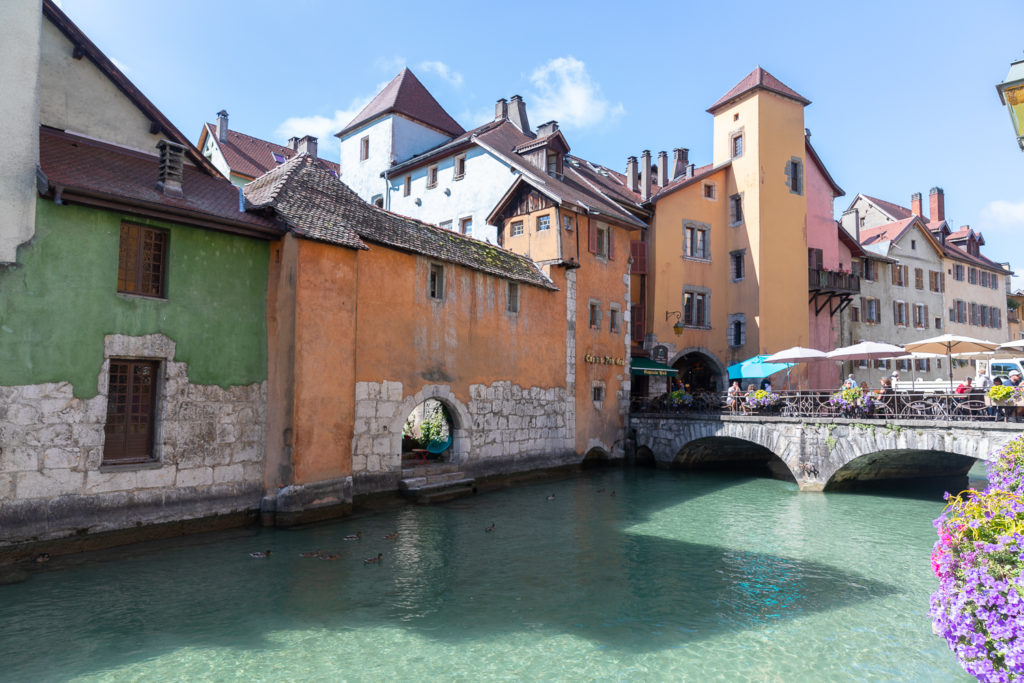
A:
(624, 575)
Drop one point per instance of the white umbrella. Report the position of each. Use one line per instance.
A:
(796, 354)
(867, 350)
(1017, 346)
(950, 344)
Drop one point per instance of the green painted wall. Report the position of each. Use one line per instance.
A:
(61, 298)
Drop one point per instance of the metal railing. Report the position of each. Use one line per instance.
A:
(899, 405)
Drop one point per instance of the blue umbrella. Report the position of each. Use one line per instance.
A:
(756, 368)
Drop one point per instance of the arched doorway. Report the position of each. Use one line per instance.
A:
(428, 432)
(699, 371)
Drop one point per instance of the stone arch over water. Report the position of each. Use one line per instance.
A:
(461, 425)
(596, 457)
(899, 464)
(731, 454)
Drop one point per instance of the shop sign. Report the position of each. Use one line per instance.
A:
(604, 360)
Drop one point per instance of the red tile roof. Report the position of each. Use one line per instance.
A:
(884, 233)
(758, 79)
(96, 173)
(406, 95)
(895, 210)
(252, 157)
(679, 183)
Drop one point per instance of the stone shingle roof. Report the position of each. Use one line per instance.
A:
(317, 205)
(406, 95)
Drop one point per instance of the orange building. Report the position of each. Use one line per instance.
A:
(371, 313)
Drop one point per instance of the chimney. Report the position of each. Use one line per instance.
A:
(293, 143)
(517, 115)
(501, 110)
(631, 181)
(645, 174)
(915, 204)
(662, 169)
(938, 204)
(545, 129)
(307, 145)
(171, 169)
(680, 160)
(222, 126)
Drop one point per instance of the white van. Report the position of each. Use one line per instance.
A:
(1001, 368)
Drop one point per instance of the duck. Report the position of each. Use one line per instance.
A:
(600, 490)
(310, 553)
(260, 555)
(374, 560)
(490, 528)
(551, 497)
(391, 536)
(353, 537)
(42, 557)
(329, 556)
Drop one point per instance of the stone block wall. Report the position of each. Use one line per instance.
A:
(208, 453)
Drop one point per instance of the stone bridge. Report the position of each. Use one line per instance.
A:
(817, 453)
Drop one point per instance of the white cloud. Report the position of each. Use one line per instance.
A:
(391, 65)
(323, 127)
(566, 93)
(1003, 213)
(454, 78)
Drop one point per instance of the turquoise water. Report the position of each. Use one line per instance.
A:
(676, 577)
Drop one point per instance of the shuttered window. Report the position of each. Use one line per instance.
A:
(130, 411)
(637, 321)
(638, 251)
(142, 260)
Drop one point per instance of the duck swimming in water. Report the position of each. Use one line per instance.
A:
(310, 553)
(329, 556)
(353, 537)
(391, 537)
(42, 557)
(260, 555)
(490, 528)
(551, 497)
(374, 560)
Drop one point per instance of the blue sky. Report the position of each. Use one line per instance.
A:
(902, 93)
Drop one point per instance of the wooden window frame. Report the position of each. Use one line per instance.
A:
(459, 167)
(432, 177)
(543, 222)
(127, 402)
(512, 298)
(364, 148)
(141, 251)
(435, 282)
(466, 225)
(407, 189)
(614, 318)
(516, 229)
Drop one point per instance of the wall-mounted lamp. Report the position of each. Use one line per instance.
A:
(678, 327)
(1011, 94)
(447, 192)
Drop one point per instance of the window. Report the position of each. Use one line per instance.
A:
(795, 175)
(638, 252)
(407, 187)
(567, 222)
(695, 308)
(913, 245)
(431, 177)
(920, 316)
(862, 363)
(142, 261)
(513, 298)
(870, 270)
(595, 315)
(447, 225)
(709, 190)
(460, 167)
(919, 278)
(958, 311)
(614, 318)
(993, 281)
(543, 222)
(637, 319)
(815, 258)
(736, 259)
(552, 163)
(279, 158)
(984, 278)
(466, 225)
(972, 276)
(923, 364)
(938, 322)
(737, 330)
(435, 283)
(854, 314)
(517, 229)
(736, 145)
(870, 310)
(958, 272)
(735, 210)
(600, 241)
(899, 275)
(364, 148)
(696, 241)
(899, 313)
(934, 279)
(597, 392)
(131, 414)
(378, 201)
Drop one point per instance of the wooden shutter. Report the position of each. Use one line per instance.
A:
(895, 313)
(592, 238)
(130, 411)
(611, 242)
(638, 250)
(942, 282)
(893, 272)
(637, 323)
(926, 318)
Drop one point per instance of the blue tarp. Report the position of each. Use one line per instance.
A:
(756, 368)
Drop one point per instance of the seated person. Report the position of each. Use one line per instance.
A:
(965, 387)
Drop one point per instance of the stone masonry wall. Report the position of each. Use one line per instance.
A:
(208, 453)
(503, 429)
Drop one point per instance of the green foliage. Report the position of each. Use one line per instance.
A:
(434, 427)
(1001, 392)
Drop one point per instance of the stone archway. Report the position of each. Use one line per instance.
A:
(700, 369)
(732, 454)
(457, 411)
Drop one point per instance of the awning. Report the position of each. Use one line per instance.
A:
(646, 366)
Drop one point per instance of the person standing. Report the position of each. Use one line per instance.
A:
(982, 381)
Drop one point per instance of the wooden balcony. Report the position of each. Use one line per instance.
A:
(831, 289)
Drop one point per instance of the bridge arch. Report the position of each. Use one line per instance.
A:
(899, 464)
(731, 454)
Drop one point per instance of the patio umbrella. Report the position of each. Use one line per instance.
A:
(1016, 346)
(913, 366)
(951, 344)
(867, 350)
(756, 368)
(795, 354)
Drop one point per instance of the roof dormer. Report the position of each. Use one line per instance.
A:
(547, 151)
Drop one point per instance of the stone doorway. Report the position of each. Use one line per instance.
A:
(428, 435)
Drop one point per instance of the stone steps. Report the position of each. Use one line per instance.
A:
(439, 493)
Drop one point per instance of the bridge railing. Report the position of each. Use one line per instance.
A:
(903, 405)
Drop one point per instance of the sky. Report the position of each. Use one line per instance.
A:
(902, 94)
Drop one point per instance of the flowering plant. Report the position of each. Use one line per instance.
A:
(680, 398)
(761, 399)
(853, 401)
(1002, 392)
(979, 557)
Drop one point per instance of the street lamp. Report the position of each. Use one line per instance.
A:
(1011, 93)
(678, 327)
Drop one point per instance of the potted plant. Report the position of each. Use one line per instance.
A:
(761, 399)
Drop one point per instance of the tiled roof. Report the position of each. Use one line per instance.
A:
(609, 181)
(758, 79)
(252, 157)
(319, 206)
(698, 173)
(884, 233)
(895, 210)
(406, 95)
(954, 252)
(97, 173)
